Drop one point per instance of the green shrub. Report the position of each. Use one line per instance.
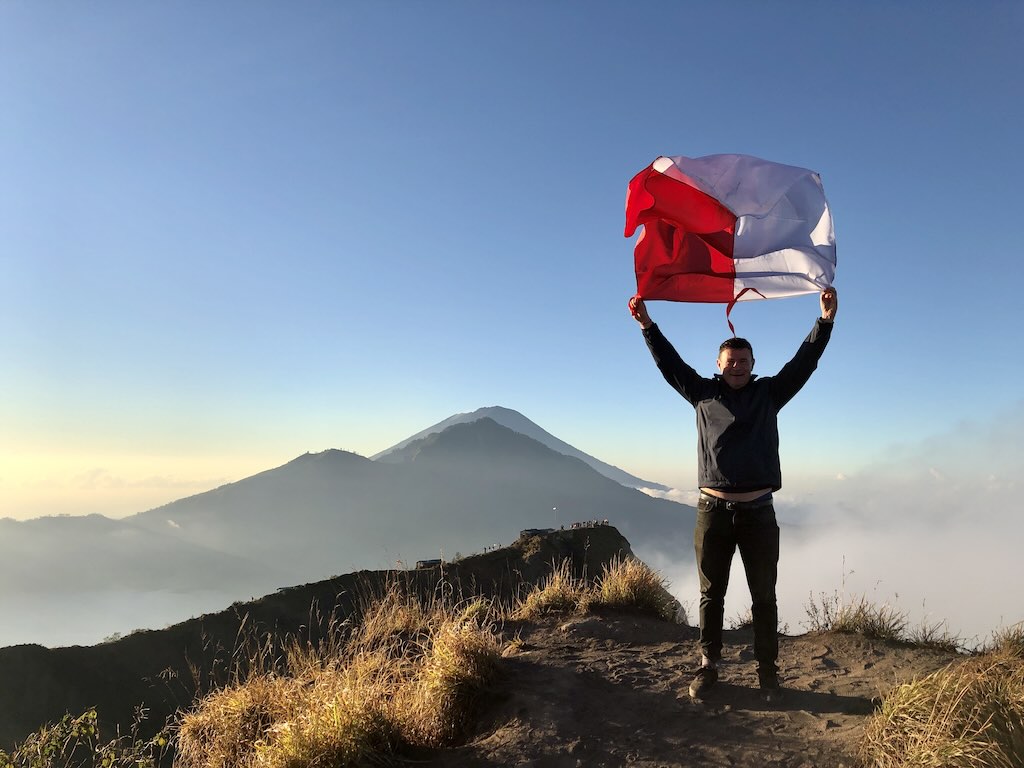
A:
(76, 742)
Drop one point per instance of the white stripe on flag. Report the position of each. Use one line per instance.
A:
(789, 272)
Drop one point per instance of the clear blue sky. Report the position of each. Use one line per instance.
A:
(233, 232)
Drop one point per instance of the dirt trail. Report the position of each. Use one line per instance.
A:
(610, 690)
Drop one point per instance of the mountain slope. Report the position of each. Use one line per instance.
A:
(519, 423)
(155, 668)
(468, 486)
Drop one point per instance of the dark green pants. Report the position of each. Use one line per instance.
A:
(722, 528)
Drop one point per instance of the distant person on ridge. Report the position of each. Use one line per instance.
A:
(738, 470)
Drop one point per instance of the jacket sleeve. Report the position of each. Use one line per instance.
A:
(680, 376)
(794, 374)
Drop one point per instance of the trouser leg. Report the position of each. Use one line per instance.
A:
(757, 536)
(714, 543)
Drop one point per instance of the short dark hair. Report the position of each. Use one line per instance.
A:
(735, 343)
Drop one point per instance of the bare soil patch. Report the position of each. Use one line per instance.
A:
(611, 690)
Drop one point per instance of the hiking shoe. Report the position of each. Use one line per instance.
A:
(771, 691)
(706, 677)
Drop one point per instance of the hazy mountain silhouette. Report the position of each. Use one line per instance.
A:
(88, 553)
(459, 490)
(464, 488)
(519, 423)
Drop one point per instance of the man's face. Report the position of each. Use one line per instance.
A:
(736, 365)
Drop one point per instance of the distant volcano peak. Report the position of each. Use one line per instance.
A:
(517, 422)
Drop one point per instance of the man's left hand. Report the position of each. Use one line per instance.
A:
(829, 304)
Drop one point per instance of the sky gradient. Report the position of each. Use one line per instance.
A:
(232, 233)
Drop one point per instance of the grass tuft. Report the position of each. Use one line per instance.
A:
(435, 707)
(628, 583)
(936, 636)
(624, 583)
(343, 718)
(560, 592)
(233, 724)
(860, 616)
(407, 676)
(1008, 641)
(968, 715)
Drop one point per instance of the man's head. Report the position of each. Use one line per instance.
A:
(736, 361)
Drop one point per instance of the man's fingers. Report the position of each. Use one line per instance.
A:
(633, 306)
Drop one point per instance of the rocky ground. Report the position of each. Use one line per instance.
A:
(611, 690)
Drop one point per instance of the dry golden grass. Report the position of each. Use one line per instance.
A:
(406, 676)
(624, 583)
(968, 715)
(233, 723)
(1008, 641)
(560, 592)
(435, 705)
(631, 583)
(344, 717)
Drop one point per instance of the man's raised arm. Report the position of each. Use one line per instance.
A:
(797, 371)
(680, 376)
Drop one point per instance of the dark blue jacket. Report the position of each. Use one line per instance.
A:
(737, 429)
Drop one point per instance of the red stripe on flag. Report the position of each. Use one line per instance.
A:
(685, 250)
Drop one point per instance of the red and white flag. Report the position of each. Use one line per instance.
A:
(727, 228)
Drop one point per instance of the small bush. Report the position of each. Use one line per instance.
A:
(969, 714)
(76, 742)
(742, 620)
(822, 612)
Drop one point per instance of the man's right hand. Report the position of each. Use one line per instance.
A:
(829, 304)
(638, 310)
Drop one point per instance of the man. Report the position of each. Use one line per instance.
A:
(738, 470)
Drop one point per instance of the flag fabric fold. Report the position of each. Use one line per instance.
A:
(727, 228)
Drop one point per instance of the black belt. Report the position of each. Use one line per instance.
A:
(758, 503)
